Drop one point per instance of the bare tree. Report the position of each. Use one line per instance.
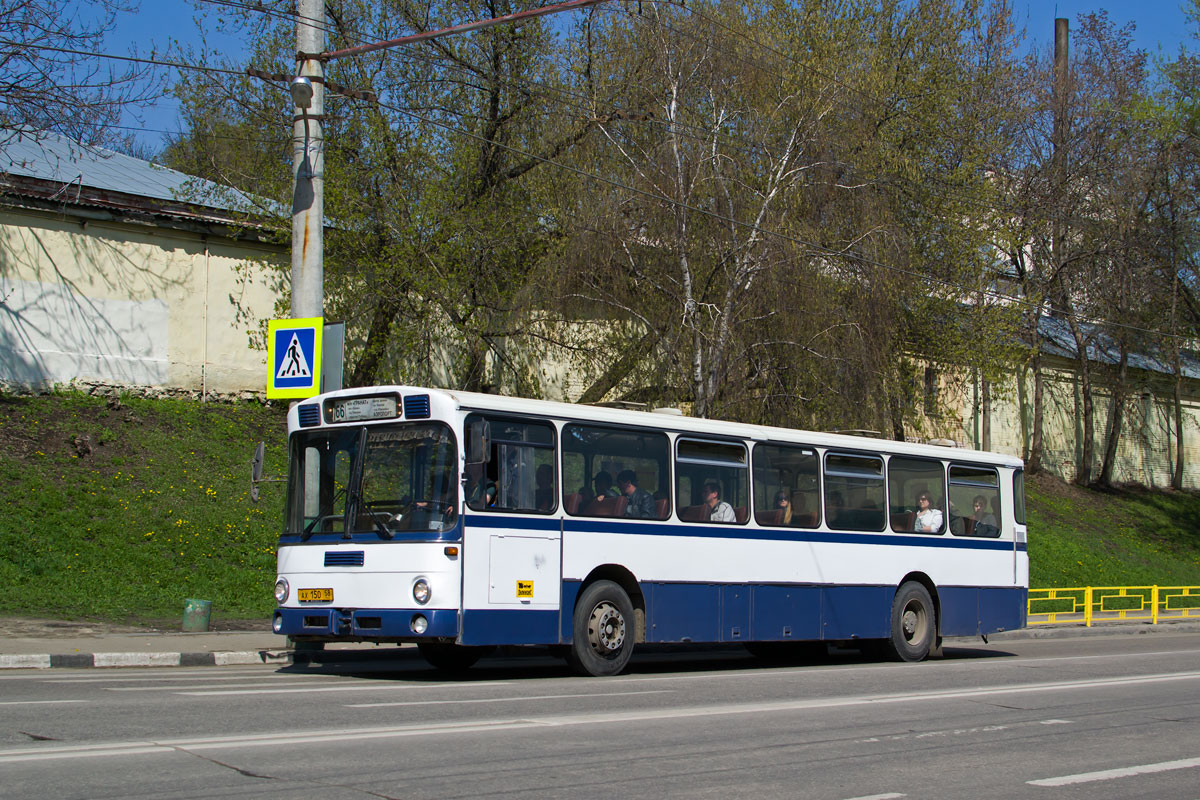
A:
(52, 75)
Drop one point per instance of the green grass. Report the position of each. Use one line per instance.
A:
(1131, 537)
(159, 512)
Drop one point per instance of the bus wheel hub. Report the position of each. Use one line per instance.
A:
(607, 628)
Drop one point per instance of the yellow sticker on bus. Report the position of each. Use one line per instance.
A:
(524, 589)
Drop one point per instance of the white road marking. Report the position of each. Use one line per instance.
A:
(1123, 772)
(373, 687)
(37, 702)
(1105, 656)
(343, 736)
(506, 699)
(1057, 722)
(888, 796)
(201, 673)
(899, 737)
(192, 687)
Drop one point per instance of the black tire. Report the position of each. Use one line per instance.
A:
(451, 657)
(914, 624)
(603, 630)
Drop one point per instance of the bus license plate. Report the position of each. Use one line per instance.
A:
(316, 595)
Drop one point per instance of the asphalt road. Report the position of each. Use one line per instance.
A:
(1096, 717)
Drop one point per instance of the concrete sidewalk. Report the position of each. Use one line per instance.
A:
(71, 645)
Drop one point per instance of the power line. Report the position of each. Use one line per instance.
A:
(133, 59)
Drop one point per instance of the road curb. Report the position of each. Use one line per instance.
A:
(311, 657)
(1068, 631)
(102, 660)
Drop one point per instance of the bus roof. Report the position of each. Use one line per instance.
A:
(473, 401)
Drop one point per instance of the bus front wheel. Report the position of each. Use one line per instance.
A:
(603, 630)
(914, 623)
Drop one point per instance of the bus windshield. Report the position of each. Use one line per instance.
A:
(380, 480)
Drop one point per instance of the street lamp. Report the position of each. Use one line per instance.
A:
(302, 92)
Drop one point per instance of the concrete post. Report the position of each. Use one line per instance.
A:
(308, 156)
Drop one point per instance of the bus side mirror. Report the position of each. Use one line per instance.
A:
(256, 463)
(256, 471)
(478, 442)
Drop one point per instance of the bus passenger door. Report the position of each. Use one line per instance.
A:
(511, 588)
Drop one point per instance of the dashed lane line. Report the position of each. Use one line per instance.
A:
(1121, 772)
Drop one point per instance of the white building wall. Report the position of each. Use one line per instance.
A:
(124, 304)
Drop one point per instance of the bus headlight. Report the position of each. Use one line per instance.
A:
(419, 624)
(421, 591)
(281, 590)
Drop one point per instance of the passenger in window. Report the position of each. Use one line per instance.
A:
(981, 514)
(481, 495)
(543, 496)
(784, 504)
(985, 522)
(604, 485)
(640, 503)
(718, 509)
(929, 519)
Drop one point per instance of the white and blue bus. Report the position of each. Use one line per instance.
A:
(460, 521)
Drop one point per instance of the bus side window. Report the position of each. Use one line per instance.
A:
(712, 481)
(615, 472)
(854, 494)
(786, 486)
(909, 479)
(519, 473)
(975, 500)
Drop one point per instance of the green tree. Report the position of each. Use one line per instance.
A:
(798, 208)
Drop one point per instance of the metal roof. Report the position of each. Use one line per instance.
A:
(1057, 340)
(50, 157)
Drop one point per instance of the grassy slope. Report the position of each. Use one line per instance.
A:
(159, 511)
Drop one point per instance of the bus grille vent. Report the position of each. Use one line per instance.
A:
(343, 558)
(309, 415)
(416, 406)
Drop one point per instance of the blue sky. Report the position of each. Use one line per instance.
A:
(1160, 23)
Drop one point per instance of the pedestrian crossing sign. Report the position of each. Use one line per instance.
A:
(294, 349)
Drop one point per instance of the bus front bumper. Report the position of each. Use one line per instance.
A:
(366, 624)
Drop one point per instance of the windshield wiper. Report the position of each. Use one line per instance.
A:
(384, 532)
(323, 517)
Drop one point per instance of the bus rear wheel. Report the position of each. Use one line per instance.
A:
(451, 657)
(602, 630)
(914, 624)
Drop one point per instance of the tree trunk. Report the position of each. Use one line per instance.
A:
(1177, 476)
(366, 371)
(1033, 459)
(986, 414)
(618, 370)
(1083, 473)
(1116, 417)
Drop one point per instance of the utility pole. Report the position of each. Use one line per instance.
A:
(308, 159)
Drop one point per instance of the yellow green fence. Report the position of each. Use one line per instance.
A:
(1093, 604)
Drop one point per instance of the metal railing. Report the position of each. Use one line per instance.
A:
(1092, 604)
